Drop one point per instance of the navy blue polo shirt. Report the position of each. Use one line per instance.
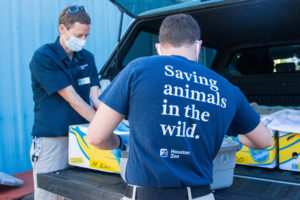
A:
(52, 70)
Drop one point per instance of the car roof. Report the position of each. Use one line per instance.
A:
(250, 23)
(142, 8)
(243, 23)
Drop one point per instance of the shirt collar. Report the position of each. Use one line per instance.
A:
(78, 55)
(60, 50)
(63, 54)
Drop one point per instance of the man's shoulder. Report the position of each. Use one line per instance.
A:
(213, 74)
(44, 49)
(44, 54)
(146, 61)
(50, 51)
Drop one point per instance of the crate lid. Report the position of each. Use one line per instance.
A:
(229, 145)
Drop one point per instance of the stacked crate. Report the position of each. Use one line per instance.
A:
(284, 125)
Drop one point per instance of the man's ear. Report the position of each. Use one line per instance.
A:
(157, 46)
(61, 28)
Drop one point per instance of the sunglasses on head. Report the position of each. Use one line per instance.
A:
(75, 9)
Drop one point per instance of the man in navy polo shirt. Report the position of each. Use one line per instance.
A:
(178, 112)
(64, 80)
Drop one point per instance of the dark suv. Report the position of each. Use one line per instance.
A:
(255, 44)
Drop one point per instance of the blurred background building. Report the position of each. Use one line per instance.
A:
(26, 25)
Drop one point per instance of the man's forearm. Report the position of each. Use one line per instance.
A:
(113, 142)
(77, 103)
(245, 141)
(258, 138)
(83, 109)
(100, 132)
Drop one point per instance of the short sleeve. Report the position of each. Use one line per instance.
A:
(93, 74)
(48, 74)
(245, 119)
(117, 94)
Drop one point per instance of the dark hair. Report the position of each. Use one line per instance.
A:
(68, 19)
(179, 29)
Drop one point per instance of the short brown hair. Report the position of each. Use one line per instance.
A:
(179, 29)
(68, 19)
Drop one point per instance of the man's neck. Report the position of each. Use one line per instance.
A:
(182, 51)
(62, 43)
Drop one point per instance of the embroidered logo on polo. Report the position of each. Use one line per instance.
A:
(82, 67)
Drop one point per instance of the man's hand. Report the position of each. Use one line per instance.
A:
(77, 103)
(100, 132)
(259, 138)
(94, 94)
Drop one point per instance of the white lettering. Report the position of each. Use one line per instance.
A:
(182, 130)
(195, 113)
(168, 90)
(179, 74)
(169, 68)
(223, 104)
(168, 129)
(187, 76)
(204, 116)
(188, 93)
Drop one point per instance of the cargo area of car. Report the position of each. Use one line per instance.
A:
(256, 46)
(249, 184)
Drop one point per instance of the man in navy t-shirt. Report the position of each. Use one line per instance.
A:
(178, 112)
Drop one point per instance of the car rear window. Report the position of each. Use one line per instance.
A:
(144, 45)
(265, 60)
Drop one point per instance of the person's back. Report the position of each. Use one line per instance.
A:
(178, 112)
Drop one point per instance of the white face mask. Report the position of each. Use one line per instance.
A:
(197, 50)
(74, 43)
(158, 49)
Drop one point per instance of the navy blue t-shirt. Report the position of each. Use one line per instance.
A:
(51, 71)
(178, 112)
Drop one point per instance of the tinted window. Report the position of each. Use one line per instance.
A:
(265, 60)
(207, 56)
(144, 45)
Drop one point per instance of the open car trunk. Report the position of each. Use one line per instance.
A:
(255, 44)
(230, 28)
